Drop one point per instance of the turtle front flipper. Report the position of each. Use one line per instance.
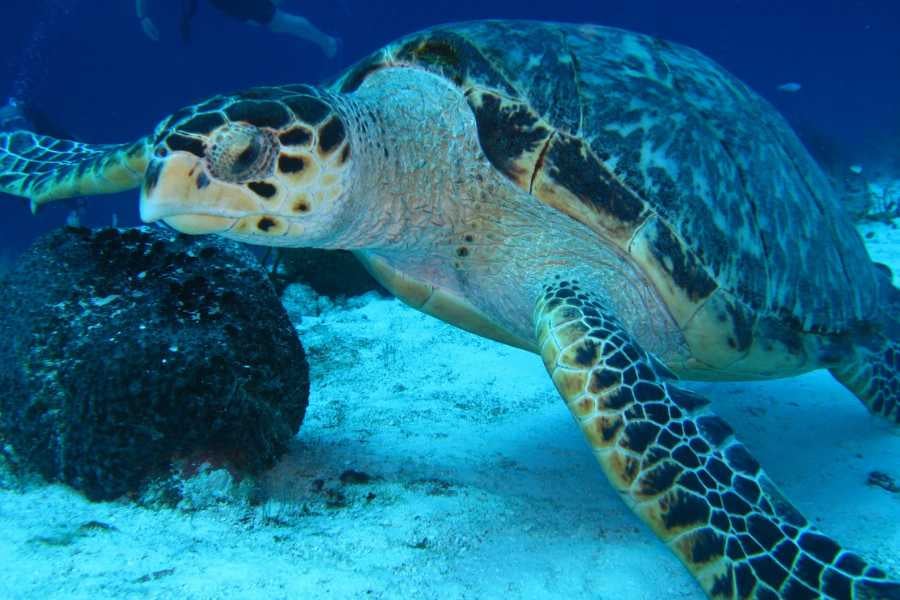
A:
(43, 168)
(679, 467)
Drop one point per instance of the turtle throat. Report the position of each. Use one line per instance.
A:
(417, 162)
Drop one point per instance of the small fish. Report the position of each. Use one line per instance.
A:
(791, 86)
(856, 169)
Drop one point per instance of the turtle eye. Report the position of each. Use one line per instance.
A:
(240, 152)
(247, 158)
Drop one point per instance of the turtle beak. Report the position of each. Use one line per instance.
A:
(178, 191)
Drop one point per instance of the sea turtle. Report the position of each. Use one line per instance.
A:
(616, 203)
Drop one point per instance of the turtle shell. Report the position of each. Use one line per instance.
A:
(668, 157)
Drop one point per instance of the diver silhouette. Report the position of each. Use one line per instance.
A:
(260, 12)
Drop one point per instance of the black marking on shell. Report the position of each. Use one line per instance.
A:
(259, 114)
(507, 132)
(202, 181)
(331, 135)
(742, 321)
(679, 262)
(440, 53)
(548, 79)
(775, 330)
(572, 164)
(454, 57)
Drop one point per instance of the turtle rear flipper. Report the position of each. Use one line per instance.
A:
(874, 378)
(873, 375)
(680, 468)
(43, 168)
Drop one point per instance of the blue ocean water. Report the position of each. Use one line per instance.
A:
(87, 65)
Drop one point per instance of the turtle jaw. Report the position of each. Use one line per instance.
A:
(178, 191)
(199, 224)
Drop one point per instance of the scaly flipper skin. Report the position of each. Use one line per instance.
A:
(679, 467)
(43, 168)
(875, 379)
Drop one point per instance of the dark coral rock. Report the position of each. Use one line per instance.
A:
(125, 350)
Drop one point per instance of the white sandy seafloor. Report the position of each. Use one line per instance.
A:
(481, 485)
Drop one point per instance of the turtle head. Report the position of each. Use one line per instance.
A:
(267, 166)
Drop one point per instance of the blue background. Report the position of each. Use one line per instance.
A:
(87, 63)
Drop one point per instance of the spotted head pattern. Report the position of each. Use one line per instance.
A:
(259, 166)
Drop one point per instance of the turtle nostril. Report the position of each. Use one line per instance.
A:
(241, 152)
